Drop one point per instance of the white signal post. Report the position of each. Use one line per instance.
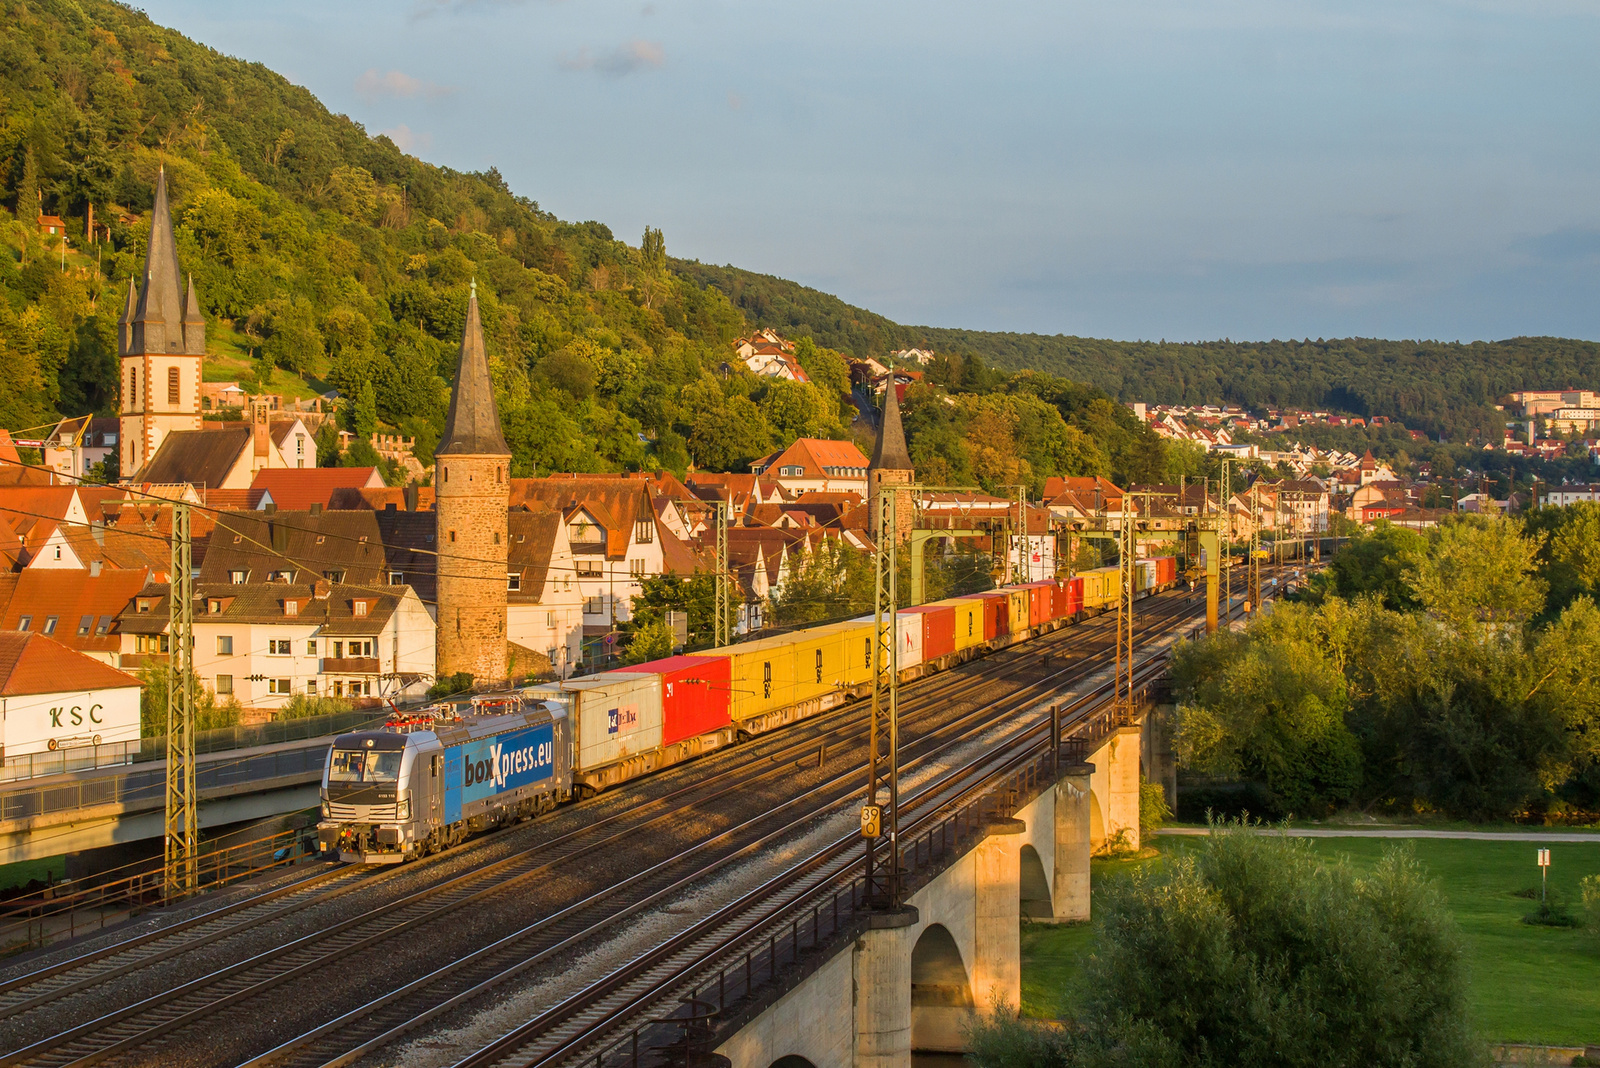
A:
(1544, 872)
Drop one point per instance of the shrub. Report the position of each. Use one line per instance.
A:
(1153, 809)
(1251, 951)
(301, 706)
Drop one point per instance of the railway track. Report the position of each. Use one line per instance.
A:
(391, 1017)
(125, 1032)
(21, 993)
(582, 1022)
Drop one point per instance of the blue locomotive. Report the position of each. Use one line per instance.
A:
(423, 783)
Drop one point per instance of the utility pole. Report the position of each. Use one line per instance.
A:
(880, 817)
(181, 872)
(1254, 566)
(1225, 534)
(1124, 683)
(1022, 522)
(724, 630)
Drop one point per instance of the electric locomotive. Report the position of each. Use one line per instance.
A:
(425, 782)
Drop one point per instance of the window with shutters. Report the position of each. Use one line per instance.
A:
(133, 387)
(172, 385)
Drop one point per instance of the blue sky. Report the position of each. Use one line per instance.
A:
(1183, 169)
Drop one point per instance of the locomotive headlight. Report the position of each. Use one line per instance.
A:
(403, 810)
(326, 812)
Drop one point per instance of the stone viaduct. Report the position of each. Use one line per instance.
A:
(903, 989)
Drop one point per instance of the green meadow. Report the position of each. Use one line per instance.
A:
(1529, 983)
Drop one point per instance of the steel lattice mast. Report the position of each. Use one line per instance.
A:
(723, 629)
(181, 872)
(883, 768)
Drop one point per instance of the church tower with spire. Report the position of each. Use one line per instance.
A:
(472, 488)
(891, 466)
(161, 340)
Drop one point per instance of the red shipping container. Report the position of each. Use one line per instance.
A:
(995, 623)
(1041, 608)
(695, 693)
(1169, 570)
(1070, 597)
(1061, 600)
(938, 630)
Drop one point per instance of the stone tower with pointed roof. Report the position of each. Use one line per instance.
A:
(891, 466)
(161, 340)
(472, 488)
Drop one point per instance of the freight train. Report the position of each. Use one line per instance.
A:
(425, 782)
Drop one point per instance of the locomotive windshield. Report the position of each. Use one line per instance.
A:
(365, 765)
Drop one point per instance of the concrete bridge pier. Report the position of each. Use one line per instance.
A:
(883, 991)
(1073, 803)
(997, 916)
(1114, 791)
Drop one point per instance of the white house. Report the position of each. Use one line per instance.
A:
(54, 700)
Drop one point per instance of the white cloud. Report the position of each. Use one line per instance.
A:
(636, 55)
(408, 140)
(375, 84)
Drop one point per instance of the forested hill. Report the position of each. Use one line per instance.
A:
(326, 258)
(1436, 386)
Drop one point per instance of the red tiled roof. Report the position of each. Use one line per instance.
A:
(349, 499)
(298, 488)
(32, 663)
(70, 595)
(235, 500)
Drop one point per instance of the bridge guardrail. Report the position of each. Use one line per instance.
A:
(147, 785)
(74, 907)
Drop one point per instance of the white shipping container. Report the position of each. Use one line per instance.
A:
(613, 715)
(908, 636)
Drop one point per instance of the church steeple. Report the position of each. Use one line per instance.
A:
(158, 319)
(472, 427)
(891, 467)
(890, 453)
(162, 343)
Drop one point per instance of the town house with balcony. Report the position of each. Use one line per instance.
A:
(264, 643)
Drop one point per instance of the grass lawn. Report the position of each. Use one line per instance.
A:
(1529, 984)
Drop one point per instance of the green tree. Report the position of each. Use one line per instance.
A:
(1270, 704)
(1375, 561)
(1478, 576)
(364, 413)
(694, 594)
(650, 641)
(1251, 952)
(210, 714)
(832, 581)
(28, 188)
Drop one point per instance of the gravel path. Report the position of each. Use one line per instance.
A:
(1406, 832)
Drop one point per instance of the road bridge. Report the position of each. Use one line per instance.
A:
(71, 812)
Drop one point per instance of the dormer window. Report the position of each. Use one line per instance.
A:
(291, 608)
(360, 607)
(333, 576)
(25, 622)
(238, 577)
(280, 576)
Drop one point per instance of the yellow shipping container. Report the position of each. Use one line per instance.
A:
(1100, 587)
(1018, 608)
(969, 621)
(773, 673)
